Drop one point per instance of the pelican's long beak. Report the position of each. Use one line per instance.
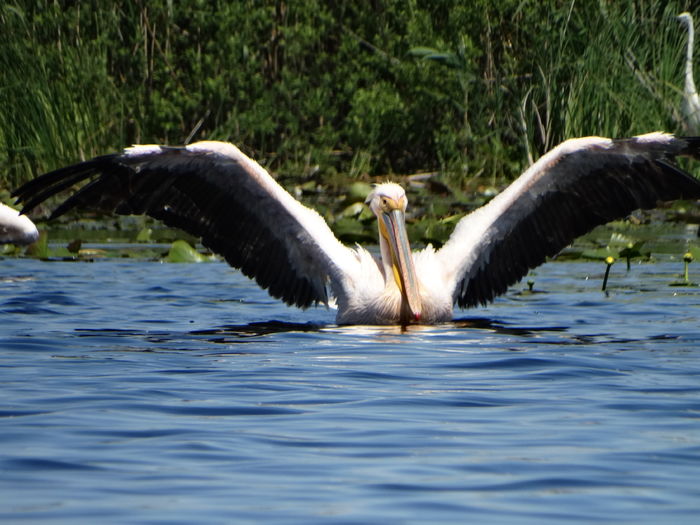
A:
(402, 260)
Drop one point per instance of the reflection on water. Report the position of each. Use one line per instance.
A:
(145, 392)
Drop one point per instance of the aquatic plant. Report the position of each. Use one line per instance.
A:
(315, 88)
(631, 251)
(687, 259)
(182, 252)
(609, 261)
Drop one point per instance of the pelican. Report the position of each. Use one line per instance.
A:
(214, 191)
(690, 105)
(16, 228)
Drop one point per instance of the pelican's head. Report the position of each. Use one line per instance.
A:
(388, 202)
(386, 196)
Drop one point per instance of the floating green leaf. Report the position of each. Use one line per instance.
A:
(183, 252)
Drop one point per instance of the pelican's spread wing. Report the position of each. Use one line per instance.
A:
(580, 184)
(214, 191)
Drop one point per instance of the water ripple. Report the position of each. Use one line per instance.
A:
(162, 396)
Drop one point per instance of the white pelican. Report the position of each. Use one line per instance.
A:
(690, 105)
(214, 191)
(16, 228)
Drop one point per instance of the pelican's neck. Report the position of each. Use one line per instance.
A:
(689, 81)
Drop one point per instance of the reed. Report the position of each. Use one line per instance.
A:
(318, 89)
(58, 102)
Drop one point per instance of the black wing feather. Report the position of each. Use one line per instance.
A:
(206, 195)
(569, 201)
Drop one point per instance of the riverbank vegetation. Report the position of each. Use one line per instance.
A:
(315, 90)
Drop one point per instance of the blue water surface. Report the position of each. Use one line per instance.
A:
(141, 392)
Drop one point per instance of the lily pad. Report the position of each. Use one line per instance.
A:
(353, 210)
(358, 191)
(182, 252)
(353, 231)
(145, 235)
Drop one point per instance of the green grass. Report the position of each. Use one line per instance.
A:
(474, 91)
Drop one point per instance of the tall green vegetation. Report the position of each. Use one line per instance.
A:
(317, 88)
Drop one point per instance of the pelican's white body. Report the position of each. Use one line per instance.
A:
(369, 296)
(16, 228)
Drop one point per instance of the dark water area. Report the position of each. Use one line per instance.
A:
(141, 392)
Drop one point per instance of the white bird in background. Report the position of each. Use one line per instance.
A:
(16, 228)
(691, 103)
(212, 190)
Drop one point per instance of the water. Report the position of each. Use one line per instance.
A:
(136, 392)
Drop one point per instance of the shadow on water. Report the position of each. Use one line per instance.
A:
(255, 331)
(264, 328)
(227, 334)
(500, 327)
